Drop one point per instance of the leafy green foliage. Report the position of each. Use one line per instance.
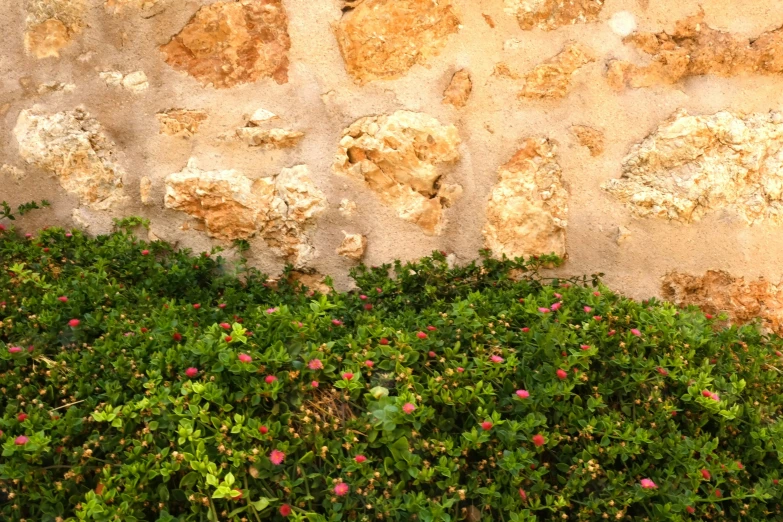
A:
(152, 384)
(24, 208)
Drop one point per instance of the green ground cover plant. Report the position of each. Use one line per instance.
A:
(142, 383)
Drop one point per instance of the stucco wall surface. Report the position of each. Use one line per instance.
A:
(640, 138)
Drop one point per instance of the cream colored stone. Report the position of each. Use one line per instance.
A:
(692, 165)
(719, 292)
(282, 209)
(79, 219)
(589, 137)
(112, 78)
(269, 138)
(622, 23)
(551, 14)
(399, 157)
(383, 39)
(13, 171)
(621, 234)
(145, 187)
(181, 122)
(353, 246)
(136, 81)
(528, 208)
(347, 208)
(459, 89)
(227, 43)
(51, 25)
(72, 145)
(696, 49)
(262, 116)
(552, 78)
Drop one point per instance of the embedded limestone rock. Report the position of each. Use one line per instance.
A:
(145, 187)
(180, 122)
(398, 155)
(72, 145)
(459, 89)
(233, 42)
(383, 39)
(589, 137)
(692, 165)
(281, 209)
(269, 138)
(11, 170)
(621, 235)
(261, 116)
(695, 49)
(134, 82)
(353, 246)
(51, 25)
(347, 208)
(552, 78)
(551, 14)
(717, 291)
(528, 207)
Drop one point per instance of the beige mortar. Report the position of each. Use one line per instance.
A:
(321, 100)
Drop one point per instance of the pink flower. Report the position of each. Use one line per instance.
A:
(271, 310)
(314, 384)
(28, 235)
(347, 376)
(62, 299)
(648, 484)
(584, 347)
(21, 417)
(432, 354)
(378, 290)
(145, 252)
(222, 305)
(21, 440)
(245, 358)
(538, 440)
(68, 235)
(368, 306)
(227, 338)
(363, 297)
(421, 335)
(715, 397)
(431, 328)
(597, 317)
(555, 307)
(277, 457)
(263, 430)
(337, 322)
(225, 326)
(522, 494)
(341, 489)
(561, 374)
(587, 309)
(611, 333)
(460, 369)
(191, 372)
(544, 310)
(315, 364)
(708, 316)
(14, 349)
(705, 474)
(408, 408)
(596, 294)
(360, 458)
(486, 425)
(525, 329)
(496, 359)
(73, 323)
(706, 393)
(558, 296)
(690, 510)
(718, 493)
(176, 336)
(2, 227)
(384, 341)
(269, 379)
(285, 510)
(369, 364)
(636, 332)
(523, 394)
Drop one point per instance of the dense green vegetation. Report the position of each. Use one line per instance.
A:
(146, 384)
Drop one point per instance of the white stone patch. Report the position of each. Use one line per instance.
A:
(623, 23)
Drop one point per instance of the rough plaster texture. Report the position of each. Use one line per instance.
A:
(310, 90)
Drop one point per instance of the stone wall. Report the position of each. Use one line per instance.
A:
(640, 138)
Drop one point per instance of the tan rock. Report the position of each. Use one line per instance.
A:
(551, 14)
(261, 116)
(135, 81)
(233, 42)
(552, 78)
(459, 89)
(621, 234)
(51, 25)
(181, 122)
(269, 138)
(692, 165)
(145, 187)
(353, 246)
(589, 137)
(383, 39)
(112, 78)
(281, 209)
(502, 70)
(347, 208)
(399, 156)
(695, 49)
(13, 171)
(528, 207)
(717, 291)
(55, 86)
(313, 281)
(72, 145)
